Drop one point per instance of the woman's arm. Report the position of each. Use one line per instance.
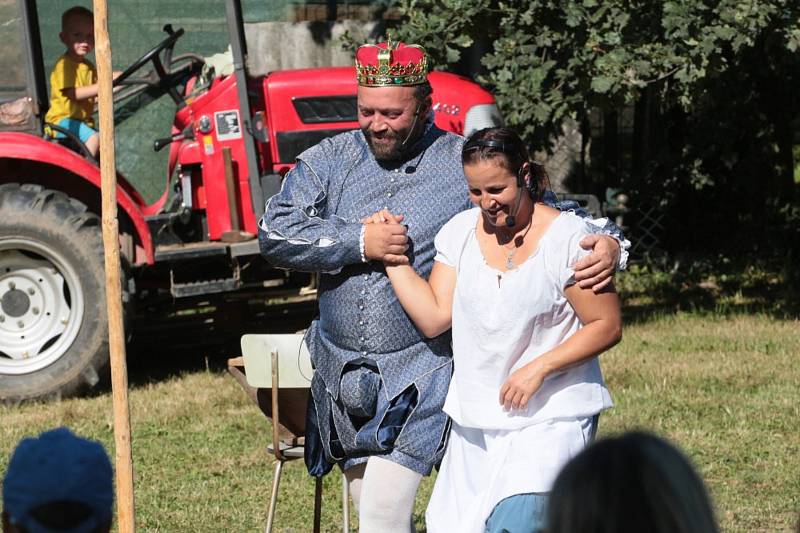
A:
(429, 304)
(600, 314)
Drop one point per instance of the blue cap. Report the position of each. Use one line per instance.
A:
(58, 466)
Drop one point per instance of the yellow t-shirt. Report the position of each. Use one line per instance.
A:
(67, 73)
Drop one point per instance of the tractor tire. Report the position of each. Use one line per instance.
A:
(53, 322)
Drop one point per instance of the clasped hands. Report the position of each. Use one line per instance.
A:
(385, 238)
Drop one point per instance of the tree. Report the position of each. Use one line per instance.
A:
(719, 77)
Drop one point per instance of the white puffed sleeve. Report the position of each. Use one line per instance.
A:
(452, 238)
(568, 248)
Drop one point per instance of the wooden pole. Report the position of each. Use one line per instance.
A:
(116, 329)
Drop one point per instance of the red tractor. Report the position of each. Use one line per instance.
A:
(233, 138)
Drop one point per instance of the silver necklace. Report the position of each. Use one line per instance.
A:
(510, 254)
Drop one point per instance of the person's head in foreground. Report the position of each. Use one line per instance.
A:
(632, 483)
(394, 97)
(502, 180)
(58, 482)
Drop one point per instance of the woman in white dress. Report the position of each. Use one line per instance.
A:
(527, 387)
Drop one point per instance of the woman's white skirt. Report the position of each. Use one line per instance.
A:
(482, 467)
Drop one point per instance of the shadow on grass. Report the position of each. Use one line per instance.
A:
(721, 288)
(170, 340)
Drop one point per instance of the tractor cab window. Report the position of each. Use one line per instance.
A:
(15, 109)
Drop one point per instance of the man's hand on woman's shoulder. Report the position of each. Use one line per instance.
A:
(596, 270)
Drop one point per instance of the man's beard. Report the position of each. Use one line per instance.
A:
(388, 146)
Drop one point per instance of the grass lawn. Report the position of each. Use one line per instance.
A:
(725, 389)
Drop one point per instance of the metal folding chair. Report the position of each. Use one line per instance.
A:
(275, 371)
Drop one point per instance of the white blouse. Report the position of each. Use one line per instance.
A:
(504, 320)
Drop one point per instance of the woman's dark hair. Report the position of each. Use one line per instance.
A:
(506, 147)
(628, 484)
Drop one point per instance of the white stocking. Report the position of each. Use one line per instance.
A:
(355, 476)
(386, 496)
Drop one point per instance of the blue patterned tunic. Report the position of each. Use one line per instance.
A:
(379, 383)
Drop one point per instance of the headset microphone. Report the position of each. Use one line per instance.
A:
(511, 220)
(411, 129)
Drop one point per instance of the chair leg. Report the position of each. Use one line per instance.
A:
(317, 503)
(345, 506)
(273, 499)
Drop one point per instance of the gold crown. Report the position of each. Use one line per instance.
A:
(389, 63)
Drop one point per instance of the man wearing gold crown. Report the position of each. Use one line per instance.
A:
(379, 384)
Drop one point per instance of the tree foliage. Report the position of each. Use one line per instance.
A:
(723, 75)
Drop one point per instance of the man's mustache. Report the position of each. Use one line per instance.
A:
(383, 135)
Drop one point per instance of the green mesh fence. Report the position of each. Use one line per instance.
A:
(135, 26)
(13, 79)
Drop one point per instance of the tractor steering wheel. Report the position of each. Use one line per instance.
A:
(153, 55)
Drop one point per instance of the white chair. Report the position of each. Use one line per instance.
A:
(275, 370)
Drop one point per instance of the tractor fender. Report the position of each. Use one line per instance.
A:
(26, 147)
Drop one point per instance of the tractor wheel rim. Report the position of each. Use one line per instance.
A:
(41, 306)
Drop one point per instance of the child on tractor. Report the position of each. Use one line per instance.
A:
(73, 81)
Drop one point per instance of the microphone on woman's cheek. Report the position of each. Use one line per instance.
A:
(511, 220)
